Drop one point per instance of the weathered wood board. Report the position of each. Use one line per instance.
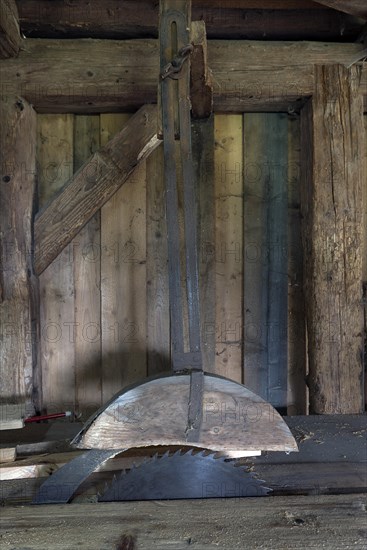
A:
(266, 255)
(228, 196)
(333, 148)
(328, 522)
(83, 82)
(18, 287)
(57, 288)
(203, 157)
(156, 413)
(87, 279)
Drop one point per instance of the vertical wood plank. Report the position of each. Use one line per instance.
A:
(87, 275)
(265, 263)
(57, 319)
(255, 256)
(333, 148)
(203, 158)
(297, 389)
(229, 242)
(18, 286)
(158, 323)
(123, 277)
(276, 144)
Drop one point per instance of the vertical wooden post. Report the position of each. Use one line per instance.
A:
(18, 286)
(332, 148)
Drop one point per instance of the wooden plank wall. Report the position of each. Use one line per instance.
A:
(104, 301)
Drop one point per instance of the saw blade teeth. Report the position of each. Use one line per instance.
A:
(176, 478)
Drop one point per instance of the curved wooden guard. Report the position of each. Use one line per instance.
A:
(155, 412)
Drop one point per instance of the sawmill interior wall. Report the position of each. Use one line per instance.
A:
(104, 307)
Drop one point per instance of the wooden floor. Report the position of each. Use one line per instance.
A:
(327, 522)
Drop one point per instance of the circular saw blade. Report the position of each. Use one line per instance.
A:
(184, 475)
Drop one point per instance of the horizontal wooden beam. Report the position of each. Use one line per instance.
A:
(93, 185)
(283, 522)
(10, 38)
(107, 76)
(354, 7)
(274, 20)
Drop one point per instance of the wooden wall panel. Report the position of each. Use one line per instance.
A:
(123, 277)
(87, 279)
(229, 245)
(57, 290)
(108, 291)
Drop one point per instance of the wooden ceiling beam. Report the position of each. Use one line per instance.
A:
(85, 76)
(9, 29)
(93, 185)
(225, 19)
(353, 7)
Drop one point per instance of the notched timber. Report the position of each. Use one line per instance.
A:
(92, 186)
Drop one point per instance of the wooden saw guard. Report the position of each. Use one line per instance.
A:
(155, 412)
